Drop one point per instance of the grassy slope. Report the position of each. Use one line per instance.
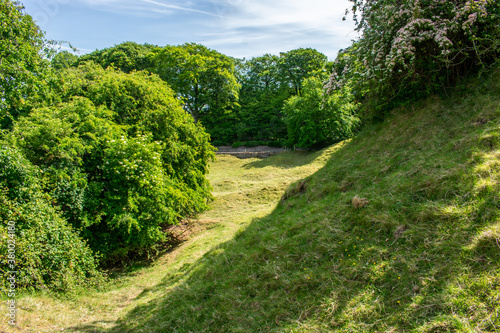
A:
(423, 255)
(244, 190)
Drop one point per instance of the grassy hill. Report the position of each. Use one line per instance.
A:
(244, 190)
(422, 254)
(398, 231)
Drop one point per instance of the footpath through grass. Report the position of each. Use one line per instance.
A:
(244, 190)
(398, 232)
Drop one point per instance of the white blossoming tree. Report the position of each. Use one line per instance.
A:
(410, 48)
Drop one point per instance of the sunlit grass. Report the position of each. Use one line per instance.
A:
(420, 254)
(245, 189)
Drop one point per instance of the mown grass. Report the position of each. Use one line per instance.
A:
(421, 253)
(244, 190)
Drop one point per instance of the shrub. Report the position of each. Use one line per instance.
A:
(219, 143)
(237, 144)
(316, 120)
(254, 143)
(120, 157)
(48, 252)
(409, 49)
(276, 144)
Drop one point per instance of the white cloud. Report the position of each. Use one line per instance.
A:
(177, 8)
(145, 7)
(312, 13)
(271, 26)
(239, 28)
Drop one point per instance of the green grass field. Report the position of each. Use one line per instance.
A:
(245, 190)
(397, 230)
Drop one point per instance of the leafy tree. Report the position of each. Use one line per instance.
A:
(267, 82)
(262, 96)
(317, 119)
(63, 60)
(409, 49)
(204, 79)
(127, 56)
(120, 157)
(24, 72)
(297, 65)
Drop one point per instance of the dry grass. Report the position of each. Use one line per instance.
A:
(358, 202)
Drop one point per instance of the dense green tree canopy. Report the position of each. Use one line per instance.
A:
(267, 82)
(119, 156)
(127, 56)
(261, 99)
(233, 99)
(297, 65)
(316, 119)
(24, 73)
(204, 79)
(63, 60)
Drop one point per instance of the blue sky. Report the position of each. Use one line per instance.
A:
(238, 28)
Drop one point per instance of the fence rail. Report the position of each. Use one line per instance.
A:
(250, 152)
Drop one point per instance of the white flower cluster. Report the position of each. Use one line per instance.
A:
(401, 39)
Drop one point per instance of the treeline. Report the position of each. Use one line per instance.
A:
(99, 154)
(240, 101)
(408, 50)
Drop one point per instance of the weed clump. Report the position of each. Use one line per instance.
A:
(358, 202)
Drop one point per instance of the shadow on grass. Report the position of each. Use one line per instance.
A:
(405, 262)
(283, 285)
(286, 160)
(137, 262)
(90, 328)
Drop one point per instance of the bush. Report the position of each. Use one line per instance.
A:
(254, 143)
(120, 157)
(276, 144)
(237, 144)
(136, 196)
(48, 252)
(219, 143)
(316, 120)
(410, 49)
